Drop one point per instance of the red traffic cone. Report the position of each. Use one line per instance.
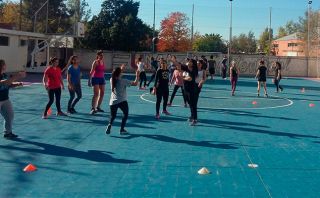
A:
(30, 168)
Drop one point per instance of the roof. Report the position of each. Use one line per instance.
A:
(293, 36)
(21, 33)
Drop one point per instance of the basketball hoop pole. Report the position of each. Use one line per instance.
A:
(230, 35)
(36, 14)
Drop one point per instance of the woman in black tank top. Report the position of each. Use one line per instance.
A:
(277, 76)
(234, 75)
(262, 77)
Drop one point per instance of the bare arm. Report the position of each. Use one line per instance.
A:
(11, 80)
(93, 67)
(136, 81)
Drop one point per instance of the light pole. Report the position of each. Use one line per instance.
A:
(230, 34)
(154, 26)
(308, 45)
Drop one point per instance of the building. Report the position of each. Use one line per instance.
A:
(14, 47)
(289, 45)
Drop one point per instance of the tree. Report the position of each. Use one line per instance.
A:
(85, 12)
(264, 42)
(282, 32)
(58, 19)
(117, 27)
(244, 43)
(210, 43)
(9, 13)
(174, 34)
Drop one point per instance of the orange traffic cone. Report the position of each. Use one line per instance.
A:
(254, 102)
(30, 168)
(49, 112)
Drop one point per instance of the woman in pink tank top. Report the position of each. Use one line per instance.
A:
(97, 80)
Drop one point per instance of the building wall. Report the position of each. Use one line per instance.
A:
(14, 54)
(284, 50)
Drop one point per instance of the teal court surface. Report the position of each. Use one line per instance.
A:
(75, 158)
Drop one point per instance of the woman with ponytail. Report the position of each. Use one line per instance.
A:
(118, 98)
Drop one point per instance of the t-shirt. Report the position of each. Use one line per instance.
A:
(141, 67)
(4, 89)
(120, 93)
(200, 76)
(75, 74)
(190, 85)
(162, 79)
(263, 72)
(276, 73)
(212, 64)
(54, 77)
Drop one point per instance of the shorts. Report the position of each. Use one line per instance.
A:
(98, 81)
(262, 79)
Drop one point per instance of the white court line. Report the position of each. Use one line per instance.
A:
(235, 108)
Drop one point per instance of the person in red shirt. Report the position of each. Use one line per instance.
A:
(52, 81)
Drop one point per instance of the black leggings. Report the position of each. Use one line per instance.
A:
(124, 108)
(192, 99)
(162, 93)
(175, 89)
(277, 84)
(143, 78)
(53, 93)
(76, 90)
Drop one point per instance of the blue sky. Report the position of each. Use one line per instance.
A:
(213, 16)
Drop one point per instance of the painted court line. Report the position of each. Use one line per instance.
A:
(142, 97)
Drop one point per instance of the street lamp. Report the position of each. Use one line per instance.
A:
(154, 27)
(230, 34)
(309, 6)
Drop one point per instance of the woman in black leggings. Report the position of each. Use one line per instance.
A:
(118, 97)
(277, 76)
(191, 89)
(161, 88)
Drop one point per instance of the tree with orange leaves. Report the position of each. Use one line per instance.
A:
(174, 34)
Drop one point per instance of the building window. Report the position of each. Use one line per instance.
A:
(292, 44)
(4, 41)
(23, 42)
(275, 45)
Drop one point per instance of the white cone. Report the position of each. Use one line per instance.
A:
(203, 171)
(253, 165)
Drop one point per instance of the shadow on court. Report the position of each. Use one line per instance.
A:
(49, 149)
(163, 138)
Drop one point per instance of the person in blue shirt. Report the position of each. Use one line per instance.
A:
(74, 83)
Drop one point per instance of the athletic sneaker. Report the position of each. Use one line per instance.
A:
(281, 89)
(166, 112)
(123, 132)
(73, 110)
(61, 114)
(45, 117)
(266, 95)
(93, 111)
(99, 109)
(108, 130)
(193, 123)
(10, 135)
(169, 104)
(157, 116)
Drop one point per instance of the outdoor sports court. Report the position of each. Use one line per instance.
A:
(75, 158)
